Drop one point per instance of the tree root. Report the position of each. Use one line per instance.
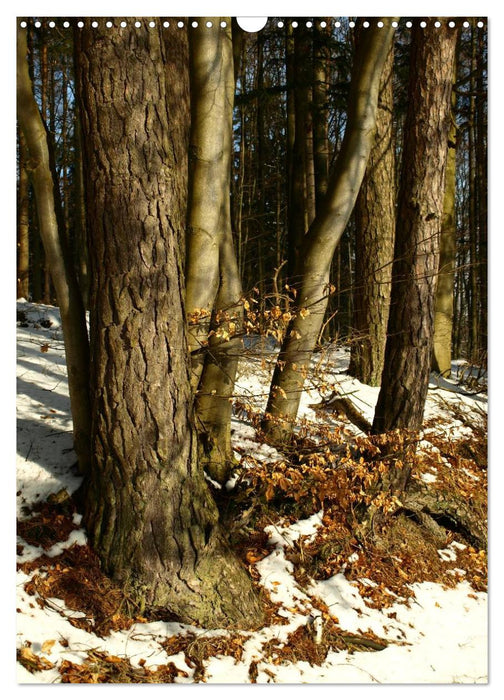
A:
(438, 509)
(343, 406)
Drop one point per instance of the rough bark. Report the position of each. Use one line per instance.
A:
(374, 240)
(324, 235)
(411, 322)
(149, 514)
(57, 259)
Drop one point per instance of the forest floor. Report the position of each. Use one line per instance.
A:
(338, 611)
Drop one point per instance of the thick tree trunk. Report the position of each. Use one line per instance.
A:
(374, 234)
(23, 223)
(67, 291)
(149, 513)
(324, 235)
(408, 351)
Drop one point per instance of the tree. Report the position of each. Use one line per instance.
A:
(408, 350)
(213, 288)
(325, 233)
(23, 223)
(148, 511)
(57, 257)
(443, 311)
(374, 234)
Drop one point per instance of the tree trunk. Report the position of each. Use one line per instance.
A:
(302, 187)
(81, 247)
(69, 300)
(482, 164)
(321, 59)
(375, 228)
(149, 513)
(443, 309)
(408, 351)
(324, 235)
(215, 355)
(23, 257)
(473, 210)
(212, 90)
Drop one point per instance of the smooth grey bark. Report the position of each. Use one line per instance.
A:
(214, 294)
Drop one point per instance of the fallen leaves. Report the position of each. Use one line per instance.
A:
(32, 662)
(100, 667)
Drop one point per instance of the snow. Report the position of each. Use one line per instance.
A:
(438, 636)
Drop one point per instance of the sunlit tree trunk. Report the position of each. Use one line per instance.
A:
(149, 513)
(408, 350)
(213, 298)
(57, 257)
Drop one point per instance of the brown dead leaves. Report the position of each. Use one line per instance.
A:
(101, 667)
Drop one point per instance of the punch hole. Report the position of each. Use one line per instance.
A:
(252, 24)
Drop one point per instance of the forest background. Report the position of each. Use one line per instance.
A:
(291, 11)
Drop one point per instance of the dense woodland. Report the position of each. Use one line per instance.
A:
(205, 193)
